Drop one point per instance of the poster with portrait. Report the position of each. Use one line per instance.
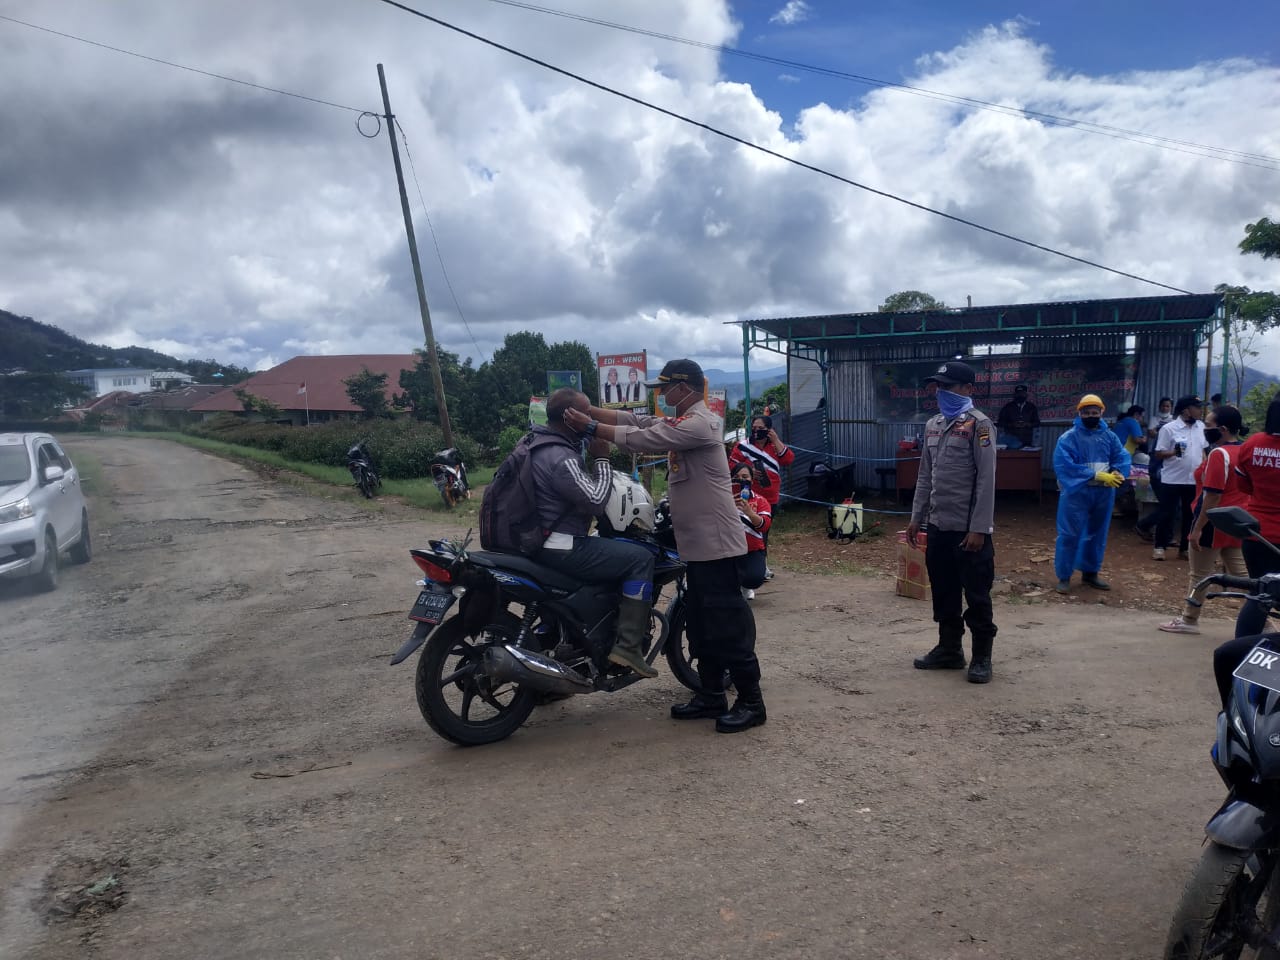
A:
(622, 377)
(718, 402)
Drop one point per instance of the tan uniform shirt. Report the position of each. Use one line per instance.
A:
(956, 486)
(706, 521)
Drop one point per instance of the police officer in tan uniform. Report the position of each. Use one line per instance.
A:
(708, 533)
(955, 497)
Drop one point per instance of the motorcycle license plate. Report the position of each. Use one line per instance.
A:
(1261, 667)
(432, 605)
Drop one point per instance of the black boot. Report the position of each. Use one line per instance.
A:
(747, 712)
(941, 658)
(980, 662)
(705, 705)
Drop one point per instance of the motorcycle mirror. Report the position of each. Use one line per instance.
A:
(1234, 522)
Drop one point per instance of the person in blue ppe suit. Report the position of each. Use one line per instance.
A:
(1091, 463)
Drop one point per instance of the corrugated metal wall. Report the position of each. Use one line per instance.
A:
(1166, 367)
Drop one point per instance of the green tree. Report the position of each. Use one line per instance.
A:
(1254, 406)
(776, 396)
(38, 396)
(368, 391)
(1262, 238)
(910, 301)
(252, 403)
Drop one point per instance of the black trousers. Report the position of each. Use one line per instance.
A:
(1175, 500)
(956, 573)
(721, 627)
(751, 569)
(1251, 621)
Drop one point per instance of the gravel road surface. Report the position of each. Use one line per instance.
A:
(204, 753)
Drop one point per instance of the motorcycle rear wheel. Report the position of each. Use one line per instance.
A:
(1227, 885)
(365, 483)
(454, 695)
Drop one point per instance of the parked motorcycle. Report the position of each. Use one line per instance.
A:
(450, 476)
(525, 634)
(361, 466)
(1232, 900)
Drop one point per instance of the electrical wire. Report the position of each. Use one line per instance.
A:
(434, 239)
(1085, 126)
(773, 153)
(183, 66)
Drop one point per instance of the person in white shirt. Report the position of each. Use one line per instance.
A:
(1180, 449)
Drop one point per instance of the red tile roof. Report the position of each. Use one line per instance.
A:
(323, 377)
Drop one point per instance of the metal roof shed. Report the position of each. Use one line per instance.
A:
(1153, 340)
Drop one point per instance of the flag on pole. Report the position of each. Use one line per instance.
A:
(302, 388)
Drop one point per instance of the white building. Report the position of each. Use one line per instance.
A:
(130, 379)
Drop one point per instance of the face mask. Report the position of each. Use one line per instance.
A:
(953, 404)
(759, 436)
(1165, 416)
(1213, 435)
(1091, 423)
(667, 409)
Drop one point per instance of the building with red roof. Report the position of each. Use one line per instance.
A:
(311, 388)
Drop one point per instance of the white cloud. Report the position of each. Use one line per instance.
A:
(794, 12)
(140, 204)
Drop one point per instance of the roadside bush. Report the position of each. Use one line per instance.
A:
(401, 449)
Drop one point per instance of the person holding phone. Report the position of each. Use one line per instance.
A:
(756, 518)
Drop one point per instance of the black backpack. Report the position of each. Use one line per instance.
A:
(509, 510)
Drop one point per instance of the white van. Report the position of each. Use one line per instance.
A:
(42, 509)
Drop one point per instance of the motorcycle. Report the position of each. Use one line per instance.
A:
(450, 476)
(1218, 915)
(524, 634)
(361, 466)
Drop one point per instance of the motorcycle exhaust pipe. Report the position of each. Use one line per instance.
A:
(510, 664)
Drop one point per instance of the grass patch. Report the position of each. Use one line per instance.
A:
(421, 493)
(96, 490)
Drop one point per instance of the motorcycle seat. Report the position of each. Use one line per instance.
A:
(522, 564)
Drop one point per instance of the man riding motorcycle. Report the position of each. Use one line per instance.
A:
(567, 497)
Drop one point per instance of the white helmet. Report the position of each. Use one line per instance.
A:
(628, 506)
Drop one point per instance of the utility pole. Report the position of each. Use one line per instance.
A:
(433, 358)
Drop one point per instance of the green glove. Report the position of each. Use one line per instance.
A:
(1107, 478)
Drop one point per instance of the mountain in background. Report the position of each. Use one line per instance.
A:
(1252, 378)
(27, 344)
(730, 381)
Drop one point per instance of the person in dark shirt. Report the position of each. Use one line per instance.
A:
(1016, 425)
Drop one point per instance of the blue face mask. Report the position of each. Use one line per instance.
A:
(953, 404)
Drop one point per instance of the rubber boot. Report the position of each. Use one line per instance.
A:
(633, 630)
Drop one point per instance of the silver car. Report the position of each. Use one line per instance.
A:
(42, 509)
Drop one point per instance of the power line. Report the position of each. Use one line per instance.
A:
(1086, 126)
(773, 153)
(434, 239)
(182, 66)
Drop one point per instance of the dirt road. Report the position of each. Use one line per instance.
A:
(203, 753)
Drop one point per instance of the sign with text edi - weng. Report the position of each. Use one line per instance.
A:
(622, 377)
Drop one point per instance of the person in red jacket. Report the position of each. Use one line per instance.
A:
(1258, 474)
(766, 455)
(756, 518)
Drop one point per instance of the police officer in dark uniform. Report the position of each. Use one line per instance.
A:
(955, 498)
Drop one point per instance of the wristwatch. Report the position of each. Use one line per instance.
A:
(590, 429)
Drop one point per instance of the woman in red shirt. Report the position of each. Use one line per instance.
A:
(1258, 473)
(1216, 486)
(756, 518)
(766, 455)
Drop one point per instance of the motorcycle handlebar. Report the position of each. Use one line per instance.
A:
(1238, 583)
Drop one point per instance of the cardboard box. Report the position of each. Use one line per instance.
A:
(913, 577)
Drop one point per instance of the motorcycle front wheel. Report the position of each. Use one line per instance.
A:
(1232, 897)
(680, 657)
(364, 483)
(454, 695)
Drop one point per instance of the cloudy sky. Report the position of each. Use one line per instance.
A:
(145, 204)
